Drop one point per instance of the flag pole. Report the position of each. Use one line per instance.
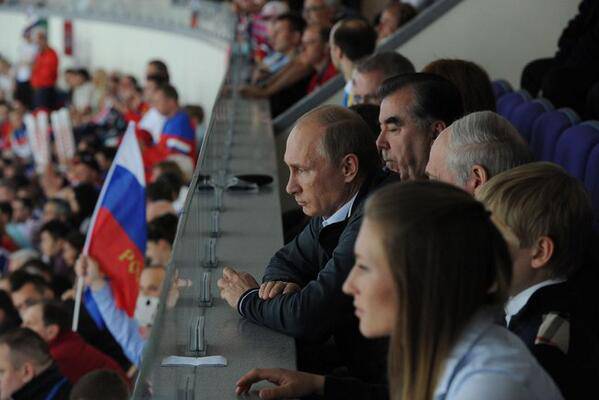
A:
(78, 296)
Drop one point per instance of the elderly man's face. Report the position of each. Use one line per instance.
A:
(365, 87)
(317, 185)
(437, 168)
(403, 142)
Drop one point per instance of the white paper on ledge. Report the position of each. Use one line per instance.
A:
(210, 361)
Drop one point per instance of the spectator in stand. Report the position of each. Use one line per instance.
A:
(415, 109)
(161, 235)
(472, 81)
(567, 78)
(6, 79)
(27, 289)
(72, 246)
(152, 121)
(44, 73)
(393, 17)
(56, 209)
(75, 358)
(82, 97)
(545, 216)
(370, 73)
(159, 69)
(320, 12)
(27, 54)
(351, 40)
(100, 385)
(23, 225)
(475, 148)
(286, 39)
(17, 142)
(131, 333)
(52, 237)
(28, 370)
(261, 28)
(178, 136)
(301, 290)
(18, 258)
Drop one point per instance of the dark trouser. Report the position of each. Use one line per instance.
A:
(44, 98)
(563, 86)
(24, 94)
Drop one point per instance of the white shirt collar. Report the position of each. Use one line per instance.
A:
(517, 302)
(340, 214)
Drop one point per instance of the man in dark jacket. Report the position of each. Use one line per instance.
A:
(27, 369)
(333, 166)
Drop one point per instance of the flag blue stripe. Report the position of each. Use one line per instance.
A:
(125, 199)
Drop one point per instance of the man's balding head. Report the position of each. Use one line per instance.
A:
(475, 148)
(329, 152)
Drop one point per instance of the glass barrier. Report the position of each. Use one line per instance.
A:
(227, 220)
(201, 16)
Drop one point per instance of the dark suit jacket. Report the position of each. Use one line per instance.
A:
(319, 260)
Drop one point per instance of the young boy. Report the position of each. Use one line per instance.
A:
(545, 216)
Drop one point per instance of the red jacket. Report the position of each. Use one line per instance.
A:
(45, 69)
(76, 358)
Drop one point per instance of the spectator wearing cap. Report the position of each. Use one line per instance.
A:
(28, 370)
(75, 358)
(44, 73)
(262, 26)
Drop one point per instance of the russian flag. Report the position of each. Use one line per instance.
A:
(117, 233)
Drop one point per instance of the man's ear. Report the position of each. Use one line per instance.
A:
(438, 127)
(543, 250)
(52, 331)
(27, 371)
(350, 166)
(478, 177)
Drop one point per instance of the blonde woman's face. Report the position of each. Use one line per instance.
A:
(371, 284)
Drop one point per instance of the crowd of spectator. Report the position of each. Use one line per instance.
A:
(45, 213)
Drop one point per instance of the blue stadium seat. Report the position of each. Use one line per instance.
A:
(591, 182)
(509, 101)
(525, 114)
(501, 87)
(574, 147)
(547, 129)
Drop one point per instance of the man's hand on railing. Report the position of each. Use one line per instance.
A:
(234, 284)
(270, 290)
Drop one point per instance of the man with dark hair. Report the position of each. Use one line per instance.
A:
(333, 166)
(27, 289)
(74, 356)
(100, 385)
(52, 236)
(285, 40)
(28, 370)
(161, 235)
(56, 209)
(350, 41)
(178, 135)
(158, 68)
(372, 71)
(415, 108)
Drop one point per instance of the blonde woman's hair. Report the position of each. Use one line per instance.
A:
(447, 260)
